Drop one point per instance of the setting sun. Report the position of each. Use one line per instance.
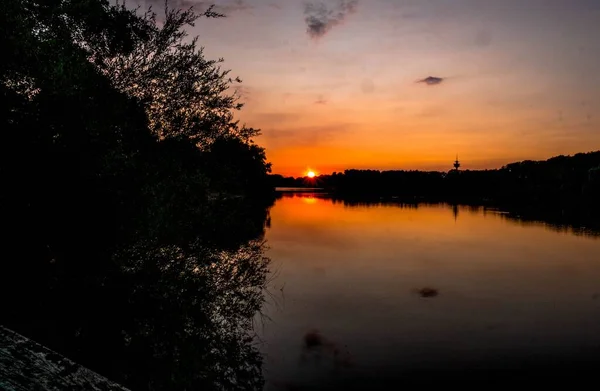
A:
(311, 174)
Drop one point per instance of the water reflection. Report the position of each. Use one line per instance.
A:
(414, 293)
(576, 222)
(175, 315)
(310, 199)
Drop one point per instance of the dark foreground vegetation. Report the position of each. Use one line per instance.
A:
(559, 181)
(133, 205)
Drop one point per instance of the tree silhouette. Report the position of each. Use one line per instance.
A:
(184, 94)
(126, 253)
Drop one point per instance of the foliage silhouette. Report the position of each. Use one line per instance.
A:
(184, 94)
(133, 204)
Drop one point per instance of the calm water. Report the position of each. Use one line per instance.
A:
(510, 296)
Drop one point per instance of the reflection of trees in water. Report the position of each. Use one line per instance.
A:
(162, 317)
(576, 224)
(192, 312)
(580, 222)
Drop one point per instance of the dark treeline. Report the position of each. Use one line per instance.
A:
(561, 180)
(133, 204)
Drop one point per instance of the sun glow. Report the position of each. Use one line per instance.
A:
(311, 174)
(309, 200)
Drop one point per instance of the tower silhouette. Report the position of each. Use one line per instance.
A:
(456, 163)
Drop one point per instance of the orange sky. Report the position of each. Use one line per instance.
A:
(332, 83)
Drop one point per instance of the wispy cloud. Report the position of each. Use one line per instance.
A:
(432, 111)
(367, 86)
(321, 17)
(321, 100)
(279, 118)
(431, 80)
(227, 6)
(306, 136)
(220, 6)
(243, 92)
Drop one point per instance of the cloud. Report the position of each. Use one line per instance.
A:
(279, 118)
(220, 6)
(432, 111)
(320, 18)
(431, 80)
(305, 136)
(321, 100)
(227, 7)
(367, 86)
(243, 92)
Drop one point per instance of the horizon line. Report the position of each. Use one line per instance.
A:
(434, 170)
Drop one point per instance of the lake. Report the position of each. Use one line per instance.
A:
(368, 295)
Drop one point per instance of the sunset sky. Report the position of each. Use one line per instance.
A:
(333, 84)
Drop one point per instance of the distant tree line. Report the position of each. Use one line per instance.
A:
(559, 180)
